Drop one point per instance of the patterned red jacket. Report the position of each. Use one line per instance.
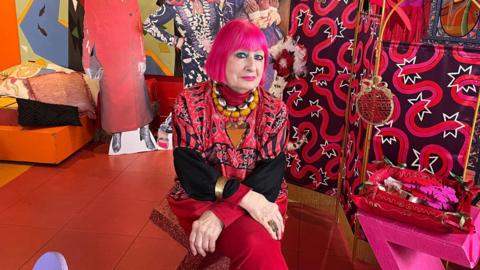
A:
(199, 126)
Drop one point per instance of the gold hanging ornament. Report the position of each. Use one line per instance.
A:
(374, 103)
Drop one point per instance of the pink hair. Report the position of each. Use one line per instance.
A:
(235, 35)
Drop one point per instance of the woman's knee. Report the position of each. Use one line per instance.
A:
(259, 241)
(258, 252)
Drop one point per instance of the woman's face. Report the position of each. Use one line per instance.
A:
(244, 70)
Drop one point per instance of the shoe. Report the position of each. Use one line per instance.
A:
(116, 142)
(145, 135)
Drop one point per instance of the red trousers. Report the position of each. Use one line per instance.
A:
(245, 241)
(250, 246)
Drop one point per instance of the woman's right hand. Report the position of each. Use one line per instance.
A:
(205, 232)
(264, 212)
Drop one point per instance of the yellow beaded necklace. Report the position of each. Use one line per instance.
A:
(243, 109)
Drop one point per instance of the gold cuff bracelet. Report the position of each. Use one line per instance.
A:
(219, 186)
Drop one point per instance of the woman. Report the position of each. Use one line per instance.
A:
(230, 138)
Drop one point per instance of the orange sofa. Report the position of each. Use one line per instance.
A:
(49, 145)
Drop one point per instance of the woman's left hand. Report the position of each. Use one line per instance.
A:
(264, 212)
(205, 232)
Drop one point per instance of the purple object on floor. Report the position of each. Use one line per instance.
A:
(51, 261)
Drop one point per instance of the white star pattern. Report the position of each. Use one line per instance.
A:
(289, 159)
(454, 133)
(349, 146)
(461, 71)
(298, 166)
(387, 139)
(344, 82)
(340, 28)
(416, 163)
(412, 77)
(295, 133)
(319, 108)
(304, 14)
(328, 154)
(314, 73)
(420, 98)
(355, 171)
(323, 178)
(343, 71)
(350, 45)
(310, 22)
(293, 91)
(432, 159)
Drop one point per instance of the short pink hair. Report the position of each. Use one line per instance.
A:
(238, 34)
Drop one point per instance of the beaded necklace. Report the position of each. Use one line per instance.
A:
(243, 109)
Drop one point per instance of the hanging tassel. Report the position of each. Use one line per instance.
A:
(410, 23)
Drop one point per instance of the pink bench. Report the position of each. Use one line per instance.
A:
(402, 246)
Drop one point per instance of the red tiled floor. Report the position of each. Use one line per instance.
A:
(113, 215)
(19, 243)
(156, 162)
(94, 209)
(153, 253)
(25, 183)
(8, 197)
(89, 163)
(84, 250)
(147, 186)
(152, 231)
(74, 184)
(39, 209)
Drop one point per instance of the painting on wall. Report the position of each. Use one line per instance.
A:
(160, 57)
(52, 31)
(43, 30)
